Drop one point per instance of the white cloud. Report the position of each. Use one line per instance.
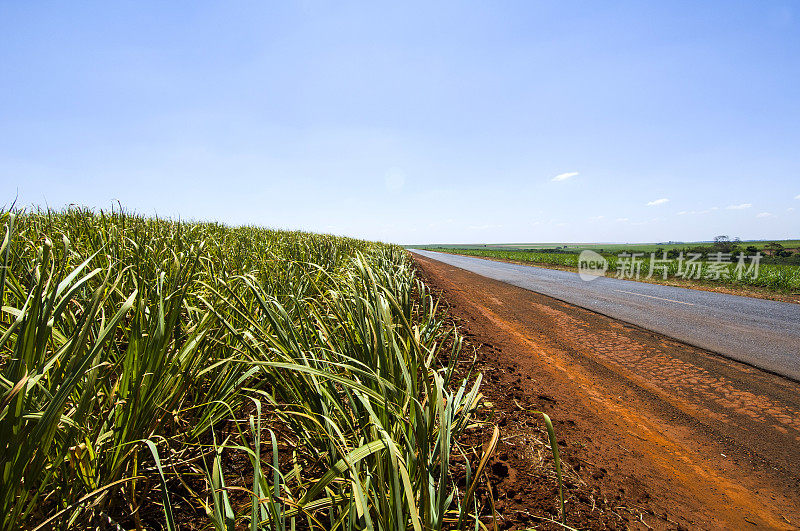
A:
(622, 219)
(657, 202)
(739, 207)
(790, 209)
(763, 215)
(683, 213)
(564, 176)
(797, 196)
(596, 218)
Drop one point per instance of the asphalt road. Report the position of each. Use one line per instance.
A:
(762, 333)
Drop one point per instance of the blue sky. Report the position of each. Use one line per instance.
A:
(413, 123)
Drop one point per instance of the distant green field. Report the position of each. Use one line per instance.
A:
(605, 247)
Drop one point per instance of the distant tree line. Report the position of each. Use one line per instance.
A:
(771, 253)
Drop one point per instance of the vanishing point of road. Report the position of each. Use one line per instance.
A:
(762, 333)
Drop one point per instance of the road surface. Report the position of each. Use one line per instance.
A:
(762, 333)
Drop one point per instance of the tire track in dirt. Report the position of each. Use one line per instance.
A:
(684, 381)
(700, 440)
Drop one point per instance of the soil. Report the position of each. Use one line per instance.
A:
(655, 434)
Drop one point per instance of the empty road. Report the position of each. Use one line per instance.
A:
(762, 333)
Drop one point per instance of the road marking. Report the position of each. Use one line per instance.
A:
(652, 297)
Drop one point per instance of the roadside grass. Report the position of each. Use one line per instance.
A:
(775, 277)
(138, 356)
